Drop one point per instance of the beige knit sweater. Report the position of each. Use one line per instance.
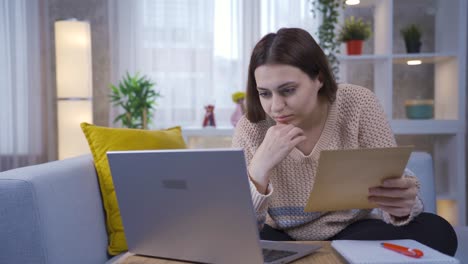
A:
(355, 120)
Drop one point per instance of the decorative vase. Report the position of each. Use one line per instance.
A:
(237, 114)
(354, 47)
(413, 46)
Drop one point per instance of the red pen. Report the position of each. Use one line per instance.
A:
(411, 252)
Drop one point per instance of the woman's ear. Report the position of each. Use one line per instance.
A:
(320, 79)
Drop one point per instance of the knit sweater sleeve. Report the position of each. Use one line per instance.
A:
(375, 132)
(374, 128)
(248, 137)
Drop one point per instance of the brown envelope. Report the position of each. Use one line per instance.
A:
(344, 176)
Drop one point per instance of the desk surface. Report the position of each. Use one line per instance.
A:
(325, 255)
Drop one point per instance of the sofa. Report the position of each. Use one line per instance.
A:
(53, 213)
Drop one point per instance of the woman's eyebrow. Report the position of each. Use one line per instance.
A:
(279, 87)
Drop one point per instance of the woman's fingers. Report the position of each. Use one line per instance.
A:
(297, 140)
(395, 196)
(394, 206)
(401, 182)
(393, 192)
(396, 211)
(277, 144)
(390, 201)
(284, 133)
(294, 132)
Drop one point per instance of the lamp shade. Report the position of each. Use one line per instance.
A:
(74, 85)
(73, 59)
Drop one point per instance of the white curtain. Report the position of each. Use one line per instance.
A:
(276, 14)
(197, 51)
(21, 102)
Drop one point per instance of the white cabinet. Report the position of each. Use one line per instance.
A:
(209, 137)
(441, 77)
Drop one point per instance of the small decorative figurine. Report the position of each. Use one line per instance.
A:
(238, 99)
(209, 119)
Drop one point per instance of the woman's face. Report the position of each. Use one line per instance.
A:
(287, 94)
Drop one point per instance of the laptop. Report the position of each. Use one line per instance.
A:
(192, 205)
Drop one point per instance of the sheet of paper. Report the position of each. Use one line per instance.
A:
(365, 251)
(344, 176)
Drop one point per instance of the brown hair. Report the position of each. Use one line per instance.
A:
(290, 46)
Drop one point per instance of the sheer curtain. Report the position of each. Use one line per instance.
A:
(197, 51)
(21, 100)
(276, 14)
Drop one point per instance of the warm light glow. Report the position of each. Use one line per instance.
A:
(73, 59)
(352, 2)
(414, 62)
(71, 140)
(74, 85)
(448, 210)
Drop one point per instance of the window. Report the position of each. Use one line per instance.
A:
(21, 102)
(197, 51)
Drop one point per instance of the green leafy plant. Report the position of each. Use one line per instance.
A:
(137, 98)
(330, 11)
(412, 36)
(411, 33)
(354, 29)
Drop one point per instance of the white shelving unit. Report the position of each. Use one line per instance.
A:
(426, 127)
(447, 58)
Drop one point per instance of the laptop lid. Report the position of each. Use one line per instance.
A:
(192, 205)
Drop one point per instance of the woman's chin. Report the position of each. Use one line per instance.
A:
(287, 122)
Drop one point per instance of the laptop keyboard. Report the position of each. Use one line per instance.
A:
(270, 255)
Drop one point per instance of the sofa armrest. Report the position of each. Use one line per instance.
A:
(462, 236)
(421, 164)
(52, 213)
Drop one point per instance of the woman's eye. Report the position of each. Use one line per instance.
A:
(288, 91)
(263, 94)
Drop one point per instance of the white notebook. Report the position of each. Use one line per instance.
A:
(366, 251)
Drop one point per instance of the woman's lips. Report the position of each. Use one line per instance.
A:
(283, 119)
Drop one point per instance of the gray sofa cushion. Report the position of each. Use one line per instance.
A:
(19, 225)
(52, 213)
(420, 163)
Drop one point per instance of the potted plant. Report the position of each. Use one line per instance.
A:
(329, 11)
(412, 36)
(354, 32)
(137, 98)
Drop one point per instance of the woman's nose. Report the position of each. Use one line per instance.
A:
(277, 104)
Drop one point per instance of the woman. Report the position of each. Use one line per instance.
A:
(295, 110)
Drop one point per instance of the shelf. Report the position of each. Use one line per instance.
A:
(364, 3)
(424, 57)
(207, 132)
(399, 126)
(425, 127)
(361, 58)
(398, 58)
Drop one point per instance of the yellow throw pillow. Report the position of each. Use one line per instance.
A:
(103, 139)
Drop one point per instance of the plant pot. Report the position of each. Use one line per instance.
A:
(354, 47)
(413, 46)
(419, 109)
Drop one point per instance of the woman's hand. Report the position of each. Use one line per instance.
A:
(277, 144)
(396, 196)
